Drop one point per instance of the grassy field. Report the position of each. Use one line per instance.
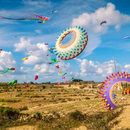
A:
(62, 109)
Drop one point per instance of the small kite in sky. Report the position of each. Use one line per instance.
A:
(39, 68)
(26, 58)
(40, 21)
(51, 50)
(60, 72)
(47, 55)
(58, 83)
(57, 67)
(54, 60)
(127, 37)
(103, 22)
(8, 70)
(46, 43)
(66, 81)
(55, 11)
(63, 77)
(36, 77)
(64, 74)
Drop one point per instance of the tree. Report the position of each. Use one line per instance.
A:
(77, 80)
(31, 83)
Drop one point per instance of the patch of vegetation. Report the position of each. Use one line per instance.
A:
(70, 99)
(87, 98)
(96, 97)
(38, 114)
(23, 108)
(9, 100)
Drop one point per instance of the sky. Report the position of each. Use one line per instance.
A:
(106, 43)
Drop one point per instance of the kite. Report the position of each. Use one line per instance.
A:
(40, 21)
(26, 85)
(64, 74)
(127, 37)
(43, 87)
(76, 46)
(55, 11)
(51, 50)
(54, 60)
(66, 81)
(103, 22)
(69, 85)
(13, 82)
(39, 68)
(15, 36)
(108, 85)
(58, 83)
(36, 77)
(60, 72)
(46, 43)
(63, 77)
(31, 51)
(25, 18)
(26, 58)
(1, 50)
(47, 55)
(57, 67)
(50, 63)
(8, 70)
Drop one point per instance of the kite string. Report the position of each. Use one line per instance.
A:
(114, 65)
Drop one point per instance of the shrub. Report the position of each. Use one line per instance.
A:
(38, 115)
(23, 108)
(9, 112)
(87, 98)
(77, 115)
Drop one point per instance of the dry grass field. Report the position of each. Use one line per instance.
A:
(62, 109)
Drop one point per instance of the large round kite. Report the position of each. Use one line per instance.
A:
(74, 47)
(120, 82)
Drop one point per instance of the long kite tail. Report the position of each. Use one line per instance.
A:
(5, 71)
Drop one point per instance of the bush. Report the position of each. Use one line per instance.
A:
(77, 115)
(23, 108)
(87, 98)
(38, 115)
(96, 97)
(31, 83)
(9, 112)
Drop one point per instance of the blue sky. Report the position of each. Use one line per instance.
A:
(105, 42)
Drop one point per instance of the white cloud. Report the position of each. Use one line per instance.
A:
(127, 66)
(38, 31)
(39, 4)
(24, 44)
(99, 71)
(89, 68)
(92, 21)
(7, 61)
(39, 51)
(93, 42)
